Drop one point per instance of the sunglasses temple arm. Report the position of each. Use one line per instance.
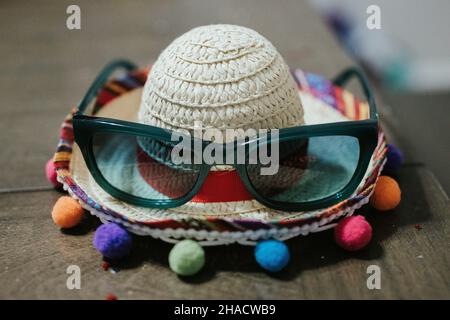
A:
(101, 79)
(346, 75)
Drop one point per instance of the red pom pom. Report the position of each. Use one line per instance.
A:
(50, 172)
(353, 233)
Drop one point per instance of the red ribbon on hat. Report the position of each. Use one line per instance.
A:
(219, 186)
(222, 186)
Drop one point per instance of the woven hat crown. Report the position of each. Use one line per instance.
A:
(225, 76)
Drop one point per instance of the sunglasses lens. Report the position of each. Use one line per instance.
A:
(309, 169)
(142, 166)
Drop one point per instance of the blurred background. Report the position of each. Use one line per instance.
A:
(408, 54)
(45, 67)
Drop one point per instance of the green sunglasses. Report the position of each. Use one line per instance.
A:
(319, 165)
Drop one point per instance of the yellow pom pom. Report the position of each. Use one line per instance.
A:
(67, 212)
(386, 195)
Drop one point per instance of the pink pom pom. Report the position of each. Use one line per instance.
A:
(353, 233)
(51, 173)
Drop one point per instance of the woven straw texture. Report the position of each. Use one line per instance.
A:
(225, 76)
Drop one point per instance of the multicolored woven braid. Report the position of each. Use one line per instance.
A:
(338, 98)
(341, 100)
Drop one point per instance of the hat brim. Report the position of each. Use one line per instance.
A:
(225, 221)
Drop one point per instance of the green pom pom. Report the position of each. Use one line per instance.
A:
(186, 258)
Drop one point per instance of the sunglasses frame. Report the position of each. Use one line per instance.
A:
(366, 131)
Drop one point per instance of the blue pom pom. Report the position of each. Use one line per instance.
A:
(394, 159)
(272, 255)
(112, 241)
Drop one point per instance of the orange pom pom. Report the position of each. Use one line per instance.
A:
(67, 212)
(386, 195)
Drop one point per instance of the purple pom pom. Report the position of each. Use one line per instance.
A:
(394, 159)
(112, 241)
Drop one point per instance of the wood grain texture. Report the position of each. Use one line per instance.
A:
(414, 263)
(45, 69)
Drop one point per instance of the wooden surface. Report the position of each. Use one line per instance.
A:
(45, 69)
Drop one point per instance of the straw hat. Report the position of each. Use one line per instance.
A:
(226, 77)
